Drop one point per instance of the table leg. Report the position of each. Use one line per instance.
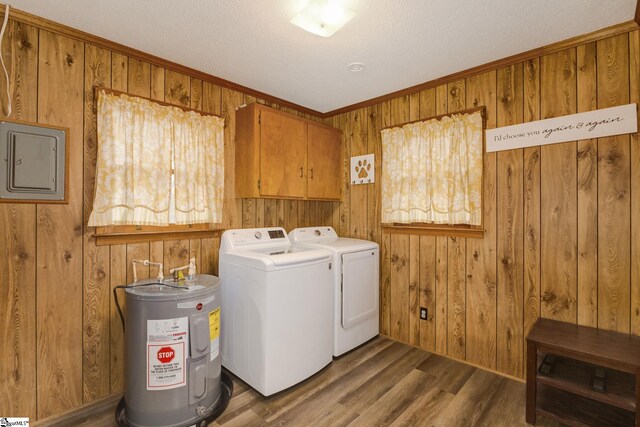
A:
(532, 362)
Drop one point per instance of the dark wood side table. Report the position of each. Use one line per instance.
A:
(582, 376)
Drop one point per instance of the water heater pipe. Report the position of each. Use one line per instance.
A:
(147, 262)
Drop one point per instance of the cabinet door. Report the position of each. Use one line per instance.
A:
(283, 155)
(325, 163)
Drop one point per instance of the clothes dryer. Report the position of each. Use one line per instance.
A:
(355, 284)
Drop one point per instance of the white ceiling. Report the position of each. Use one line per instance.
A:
(401, 42)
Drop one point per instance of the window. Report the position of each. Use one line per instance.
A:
(432, 174)
(159, 167)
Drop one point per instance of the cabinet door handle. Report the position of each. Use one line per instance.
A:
(300, 171)
(311, 173)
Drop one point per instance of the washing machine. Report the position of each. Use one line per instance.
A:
(277, 318)
(355, 284)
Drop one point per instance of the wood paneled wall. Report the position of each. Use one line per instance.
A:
(60, 333)
(562, 221)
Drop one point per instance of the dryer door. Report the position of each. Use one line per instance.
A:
(360, 287)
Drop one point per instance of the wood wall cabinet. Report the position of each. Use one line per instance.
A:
(280, 155)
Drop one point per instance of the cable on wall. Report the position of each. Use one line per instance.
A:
(6, 74)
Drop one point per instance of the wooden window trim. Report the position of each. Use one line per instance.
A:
(446, 230)
(119, 234)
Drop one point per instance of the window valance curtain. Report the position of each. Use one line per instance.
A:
(432, 171)
(138, 140)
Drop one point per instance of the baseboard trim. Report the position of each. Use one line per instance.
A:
(79, 415)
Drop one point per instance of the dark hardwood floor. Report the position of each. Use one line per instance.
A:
(381, 383)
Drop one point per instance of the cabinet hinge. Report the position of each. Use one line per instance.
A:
(258, 184)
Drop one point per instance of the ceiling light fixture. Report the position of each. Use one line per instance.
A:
(354, 67)
(322, 17)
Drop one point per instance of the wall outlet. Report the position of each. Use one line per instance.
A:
(424, 313)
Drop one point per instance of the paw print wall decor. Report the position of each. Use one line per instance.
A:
(363, 169)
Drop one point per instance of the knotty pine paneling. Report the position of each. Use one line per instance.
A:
(561, 220)
(614, 191)
(96, 262)
(59, 249)
(18, 244)
(541, 255)
(634, 96)
(51, 265)
(509, 207)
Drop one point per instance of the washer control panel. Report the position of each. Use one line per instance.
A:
(252, 236)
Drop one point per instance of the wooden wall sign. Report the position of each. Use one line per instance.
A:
(592, 124)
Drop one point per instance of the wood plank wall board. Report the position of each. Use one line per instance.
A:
(96, 262)
(456, 297)
(399, 307)
(442, 256)
(587, 192)
(118, 270)
(18, 245)
(481, 253)
(343, 123)
(531, 199)
(374, 145)
(414, 290)
(59, 249)
(457, 255)
(358, 194)
(385, 250)
(510, 288)
(559, 193)
(157, 83)
(634, 91)
(427, 294)
(119, 266)
(232, 207)
(614, 222)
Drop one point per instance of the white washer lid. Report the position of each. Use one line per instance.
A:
(275, 258)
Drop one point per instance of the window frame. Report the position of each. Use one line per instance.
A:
(117, 234)
(446, 230)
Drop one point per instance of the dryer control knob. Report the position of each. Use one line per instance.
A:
(258, 235)
(317, 232)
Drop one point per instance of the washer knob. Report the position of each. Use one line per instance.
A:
(317, 233)
(258, 235)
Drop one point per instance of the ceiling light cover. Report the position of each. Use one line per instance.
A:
(323, 17)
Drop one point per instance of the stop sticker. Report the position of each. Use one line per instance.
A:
(166, 354)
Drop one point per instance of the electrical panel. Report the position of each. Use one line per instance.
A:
(34, 166)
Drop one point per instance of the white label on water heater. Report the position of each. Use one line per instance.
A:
(166, 353)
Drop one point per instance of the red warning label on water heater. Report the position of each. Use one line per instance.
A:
(165, 366)
(167, 353)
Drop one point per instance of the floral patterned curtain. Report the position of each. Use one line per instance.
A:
(432, 171)
(137, 140)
